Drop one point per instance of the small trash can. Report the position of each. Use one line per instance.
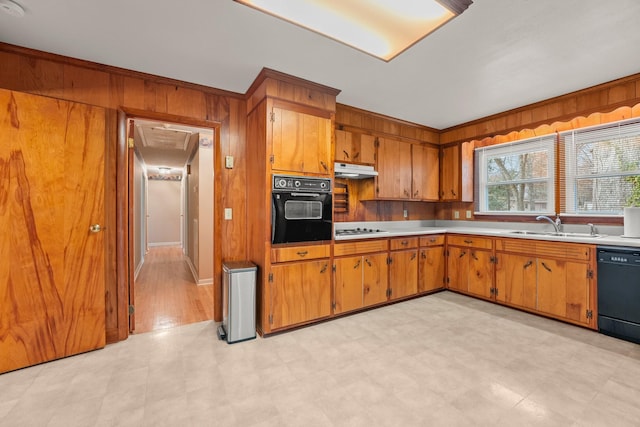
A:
(238, 301)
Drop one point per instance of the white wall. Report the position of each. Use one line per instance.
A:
(163, 221)
(139, 213)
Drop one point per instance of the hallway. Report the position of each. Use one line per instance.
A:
(165, 293)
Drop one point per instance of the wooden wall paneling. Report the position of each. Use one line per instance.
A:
(86, 86)
(133, 93)
(110, 233)
(119, 290)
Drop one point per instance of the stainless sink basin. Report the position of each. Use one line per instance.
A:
(553, 233)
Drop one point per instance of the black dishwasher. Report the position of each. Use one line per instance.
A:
(619, 292)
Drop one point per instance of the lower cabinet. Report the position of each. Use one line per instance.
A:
(299, 288)
(360, 281)
(403, 267)
(431, 263)
(470, 265)
(551, 278)
(361, 274)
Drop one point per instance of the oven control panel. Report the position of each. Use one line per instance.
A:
(301, 184)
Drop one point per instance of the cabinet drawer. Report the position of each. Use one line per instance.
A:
(361, 247)
(470, 241)
(404, 243)
(433, 240)
(297, 253)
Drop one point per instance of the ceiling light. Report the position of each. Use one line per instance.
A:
(11, 8)
(382, 28)
(164, 170)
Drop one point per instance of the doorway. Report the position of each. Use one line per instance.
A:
(171, 224)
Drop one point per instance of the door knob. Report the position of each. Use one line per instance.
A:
(95, 228)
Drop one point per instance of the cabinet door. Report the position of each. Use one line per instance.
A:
(316, 140)
(403, 273)
(480, 273)
(366, 150)
(431, 269)
(458, 268)
(450, 173)
(300, 292)
(516, 280)
(344, 146)
(300, 142)
(425, 181)
(375, 279)
(394, 169)
(563, 289)
(348, 284)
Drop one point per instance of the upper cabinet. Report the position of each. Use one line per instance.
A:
(355, 147)
(300, 142)
(456, 172)
(425, 171)
(406, 171)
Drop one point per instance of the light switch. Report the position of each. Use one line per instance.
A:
(228, 213)
(468, 214)
(456, 214)
(228, 162)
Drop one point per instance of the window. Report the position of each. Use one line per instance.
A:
(517, 177)
(601, 168)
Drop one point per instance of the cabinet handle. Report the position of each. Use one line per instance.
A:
(468, 242)
(462, 254)
(406, 192)
(324, 166)
(528, 264)
(345, 154)
(432, 240)
(357, 265)
(404, 243)
(302, 253)
(324, 268)
(423, 254)
(413, 256)
(473, 255)
(355, 156)
(453, 193)
(546, 267)
(367, 261)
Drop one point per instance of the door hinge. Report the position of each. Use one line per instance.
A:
(589, 314)
(333, 306)
(270, 318)
(495, 291)
(272, 117)
(389, 292)
(589, 274)
(272, 159)
(333, 268)
(389, 260)
(270, 277)
(130, 143)
(493, 259)
(447, 280)
(132, 309)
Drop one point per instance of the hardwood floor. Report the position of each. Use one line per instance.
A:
(166, 294)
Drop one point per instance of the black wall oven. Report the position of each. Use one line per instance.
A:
(301, 209)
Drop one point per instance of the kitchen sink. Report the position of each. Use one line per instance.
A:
(553, 233)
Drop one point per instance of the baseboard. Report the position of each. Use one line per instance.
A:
(194, 273)
(165, 244)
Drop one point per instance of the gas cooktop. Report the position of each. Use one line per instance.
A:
(359, 231)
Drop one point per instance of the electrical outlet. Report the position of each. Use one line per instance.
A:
(456, 214)
(468, 214)
(228, 162)
(228, 213)
(405, 213)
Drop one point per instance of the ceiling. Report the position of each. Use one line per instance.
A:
(496, 56)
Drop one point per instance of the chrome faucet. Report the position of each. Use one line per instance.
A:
(593, 229)
(556, 223)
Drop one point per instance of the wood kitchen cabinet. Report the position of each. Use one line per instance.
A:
(355, 147)
(406, 171)
(431, 263)
(360, 274)
(425, 180)
(394, 169)
(300, 142)
(470, 265)
(403, 267)
(555, 279)
(456, 172)
(300, 292)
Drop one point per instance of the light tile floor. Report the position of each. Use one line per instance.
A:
(441, 360)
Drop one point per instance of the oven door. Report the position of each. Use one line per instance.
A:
(300, 217)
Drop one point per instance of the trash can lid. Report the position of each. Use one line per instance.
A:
(239, 265)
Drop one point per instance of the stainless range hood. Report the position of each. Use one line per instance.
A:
(350, 171)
